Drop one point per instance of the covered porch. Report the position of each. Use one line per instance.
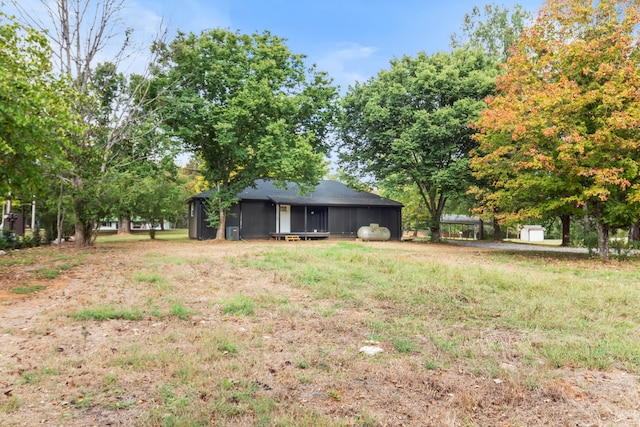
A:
(303, 235)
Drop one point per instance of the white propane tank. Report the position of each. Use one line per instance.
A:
(374, 232)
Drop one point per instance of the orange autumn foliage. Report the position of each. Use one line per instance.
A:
(564, 129)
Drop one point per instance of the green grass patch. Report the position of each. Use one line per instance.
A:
(180, 311)
(107, 312)
(10, 405)
(111, 236)
(49, 371)
(129, 361)
(49, 258)
(27, 289)
(431, 365)
(35, 377)
(54, 271)
(148, 277)
(175, 407)
(239, 305)
(68, 266)
(159, 283)
(17, 258)
(581, 317)
(403, 345)
(227, 347)
(29, 377)
(48, 273)
(83, 401)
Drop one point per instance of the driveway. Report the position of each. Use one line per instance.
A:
(506, 246)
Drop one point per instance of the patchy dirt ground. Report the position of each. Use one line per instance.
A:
(56, 370)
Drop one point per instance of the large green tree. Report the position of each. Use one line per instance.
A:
(82, 32)
(139, 151)
(35, 112)
(248, 107)
(492, 29)
(411, 123)
(564, 130)
(159, 195)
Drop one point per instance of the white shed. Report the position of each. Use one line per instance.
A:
(532, 233)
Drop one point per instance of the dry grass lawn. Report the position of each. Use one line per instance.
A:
(185, 333)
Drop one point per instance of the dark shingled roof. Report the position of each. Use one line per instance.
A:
(326, 193)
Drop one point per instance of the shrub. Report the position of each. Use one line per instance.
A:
(9, 240)
(30, 241)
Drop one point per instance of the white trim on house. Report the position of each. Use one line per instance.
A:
(283, 218)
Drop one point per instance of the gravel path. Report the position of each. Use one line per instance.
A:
(516, 246)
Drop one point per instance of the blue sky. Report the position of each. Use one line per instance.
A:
(350, 39)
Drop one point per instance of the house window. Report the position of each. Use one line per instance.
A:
(192, 209)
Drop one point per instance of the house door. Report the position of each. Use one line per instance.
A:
(283, 218)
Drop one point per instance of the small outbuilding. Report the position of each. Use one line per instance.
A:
(532, 233)
(265, 211)
(462, 226)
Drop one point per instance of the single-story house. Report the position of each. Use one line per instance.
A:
(331, 210)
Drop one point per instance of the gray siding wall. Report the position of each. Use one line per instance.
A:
(258, 219)
(206, 232)
(316, 219)
(345, 221)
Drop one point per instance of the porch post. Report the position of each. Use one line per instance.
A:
(33, 216)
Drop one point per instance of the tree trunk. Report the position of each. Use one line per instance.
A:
(79, 235)
(84, 234)
(434, 224)
(60, 215)
(221, 226)
(481, 230)
(585, 220)
(435, 232)
(566, 229)
(603, 239)
(497, 233)
(634, 233)
(83, 225)
(124, 224)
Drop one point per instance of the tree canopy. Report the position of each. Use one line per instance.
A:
(492, 29)
(563, 130)
(112, 106)
(410, 124)
(248, 107)
(35, 111)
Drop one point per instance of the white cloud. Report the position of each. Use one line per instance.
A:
(349, 63)
(147, 18)
(145, 24)
(143, 20)
(192, 15)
